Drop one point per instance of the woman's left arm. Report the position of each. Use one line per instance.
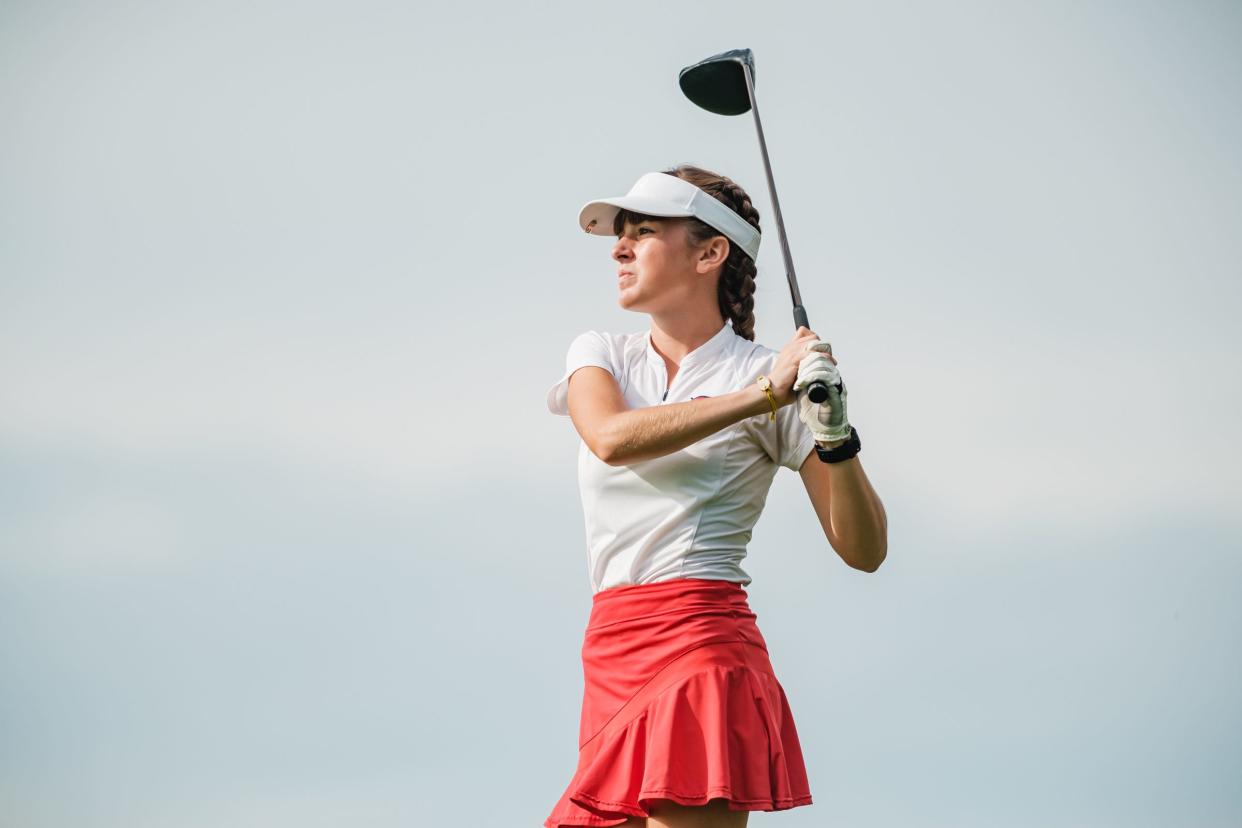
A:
(849, 510)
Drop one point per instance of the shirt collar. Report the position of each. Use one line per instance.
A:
(705, 351)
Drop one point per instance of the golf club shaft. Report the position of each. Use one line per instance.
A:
(776, 204)
(818, 390)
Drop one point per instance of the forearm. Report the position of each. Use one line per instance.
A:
(646, 433)
(858, 519)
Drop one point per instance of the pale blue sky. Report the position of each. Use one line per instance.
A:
(288, 537)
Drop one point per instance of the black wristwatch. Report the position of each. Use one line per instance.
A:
(845, 451)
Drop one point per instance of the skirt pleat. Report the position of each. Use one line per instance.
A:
(680, 703)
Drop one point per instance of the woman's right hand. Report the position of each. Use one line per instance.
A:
(785, 369)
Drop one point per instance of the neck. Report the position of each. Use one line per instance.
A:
(675, 335)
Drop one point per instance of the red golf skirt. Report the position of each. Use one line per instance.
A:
(680, 703)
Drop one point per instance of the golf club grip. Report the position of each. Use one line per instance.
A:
(817, 391)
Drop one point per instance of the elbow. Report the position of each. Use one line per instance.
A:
(603, 440)
(873, 554)
(615, 446)
(870, 560)
(610, 458)
(606, 450)
(861, 550)
(614, 443)
(871, 565)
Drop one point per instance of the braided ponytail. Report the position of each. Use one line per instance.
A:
(736, 290)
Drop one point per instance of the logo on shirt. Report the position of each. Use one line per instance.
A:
(703, 397)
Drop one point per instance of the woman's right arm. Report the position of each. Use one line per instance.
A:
(620, 435)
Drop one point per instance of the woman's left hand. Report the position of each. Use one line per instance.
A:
(828, 420)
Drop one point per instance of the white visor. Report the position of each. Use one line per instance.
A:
(667, 196)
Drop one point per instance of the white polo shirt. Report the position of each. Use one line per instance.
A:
(688, 514)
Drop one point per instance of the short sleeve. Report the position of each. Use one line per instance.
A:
(590, 348)
(786, 440)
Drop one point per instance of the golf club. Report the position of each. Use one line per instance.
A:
(725, 84)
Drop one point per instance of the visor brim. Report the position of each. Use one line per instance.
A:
(597, 216)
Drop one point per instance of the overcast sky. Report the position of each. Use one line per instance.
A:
(289, 538)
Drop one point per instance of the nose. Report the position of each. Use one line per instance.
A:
(621, 251)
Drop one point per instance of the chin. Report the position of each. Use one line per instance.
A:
(630, 304)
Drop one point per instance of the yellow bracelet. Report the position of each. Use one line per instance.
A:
(766, 385)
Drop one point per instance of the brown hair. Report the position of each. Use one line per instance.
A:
(735, 292)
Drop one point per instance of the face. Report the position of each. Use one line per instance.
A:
(657, 267)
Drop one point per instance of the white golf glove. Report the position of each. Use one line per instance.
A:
(828, 420)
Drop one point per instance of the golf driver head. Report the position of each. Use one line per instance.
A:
(718, 83)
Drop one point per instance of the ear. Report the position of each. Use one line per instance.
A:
(712, 254)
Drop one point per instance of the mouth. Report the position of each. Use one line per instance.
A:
(624, 277)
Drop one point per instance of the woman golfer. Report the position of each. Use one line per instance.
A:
(683, 427)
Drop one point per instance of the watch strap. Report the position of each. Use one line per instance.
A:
(845, 451)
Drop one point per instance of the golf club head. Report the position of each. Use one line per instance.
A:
(718, 84)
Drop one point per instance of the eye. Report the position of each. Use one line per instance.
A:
(648, 229)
